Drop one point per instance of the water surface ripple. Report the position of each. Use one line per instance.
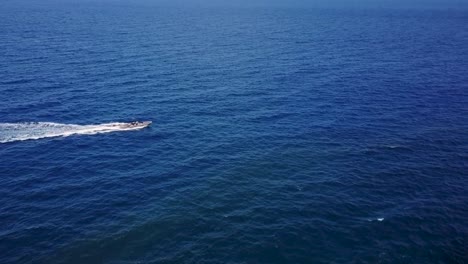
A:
(279, 135)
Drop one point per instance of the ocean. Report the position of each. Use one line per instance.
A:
(279, 135)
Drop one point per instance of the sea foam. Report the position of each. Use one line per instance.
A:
(11, 132)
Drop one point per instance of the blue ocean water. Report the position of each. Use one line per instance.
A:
(280, 135)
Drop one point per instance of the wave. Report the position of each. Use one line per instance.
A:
(11, 132)
(376, 219)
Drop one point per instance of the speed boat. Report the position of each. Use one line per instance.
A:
(136, 124)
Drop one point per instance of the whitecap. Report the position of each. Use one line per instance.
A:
(376, 219)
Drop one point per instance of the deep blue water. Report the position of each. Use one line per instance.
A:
(279, 136)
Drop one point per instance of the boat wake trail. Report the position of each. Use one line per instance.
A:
(11, 132)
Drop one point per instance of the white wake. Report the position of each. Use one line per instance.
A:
(10, 132)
